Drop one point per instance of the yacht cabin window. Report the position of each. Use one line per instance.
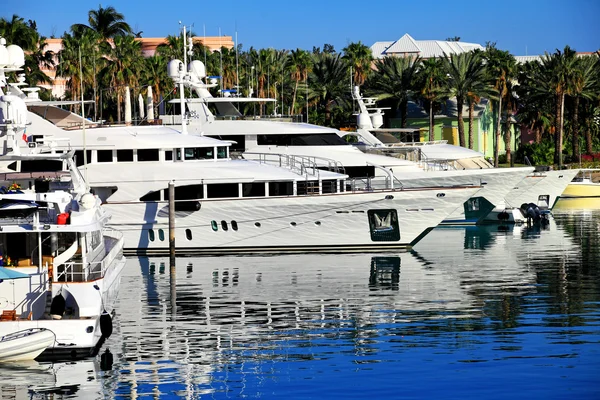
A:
(168, 155)
(147, 155)
(104, 156)
(221, 190)
(321, 139)
(124, 155)
(253, 189)
(196, 153)
(79, 157)
(222, 152)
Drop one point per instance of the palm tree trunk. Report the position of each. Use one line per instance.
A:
(538, 135)
(459, 118)
(588, 140)
(558, 133)
(471, 111)
(403, 112)
(497, 143)
(294, 98)
(576, 149)
(431, 134)
(507, 138)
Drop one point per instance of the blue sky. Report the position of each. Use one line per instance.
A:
(525, 26)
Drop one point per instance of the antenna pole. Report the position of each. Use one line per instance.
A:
(181, 87)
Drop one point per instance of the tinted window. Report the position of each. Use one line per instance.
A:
(124, 155)
(219, 190)
(79, 157)
(254, 189)
(105, 156)
(281, 188)
(199, 153)
(222, 152)
(168, 155)
(322, 139)
(147, 154)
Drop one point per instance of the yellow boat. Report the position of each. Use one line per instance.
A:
(583, 185)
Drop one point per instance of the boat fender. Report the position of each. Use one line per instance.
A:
(106, 327)
(106, 360)
(57, 307)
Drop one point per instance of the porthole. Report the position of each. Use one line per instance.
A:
(224, 225)
(257, 224)
(234, 225)
(214, 225)
(151, 235)
(188, 234)
(318, 223)
(161, 235)
(292, 223)
(441, 195)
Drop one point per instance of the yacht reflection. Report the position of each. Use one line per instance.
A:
(50, 380)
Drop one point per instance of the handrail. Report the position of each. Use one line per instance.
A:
(303, 165)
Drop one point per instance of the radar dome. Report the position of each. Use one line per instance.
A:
(197, 68)
(87, 201)
(174, 69)
(16, 57)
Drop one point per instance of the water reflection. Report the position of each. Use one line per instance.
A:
(514, 298)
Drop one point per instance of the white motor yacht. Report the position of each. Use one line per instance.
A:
(326, 148)
(65, 263)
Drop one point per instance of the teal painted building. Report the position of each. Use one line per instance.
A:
(446, 126)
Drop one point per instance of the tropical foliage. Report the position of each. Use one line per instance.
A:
(556, 98)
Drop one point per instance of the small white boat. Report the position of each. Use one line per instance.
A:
(25, 345)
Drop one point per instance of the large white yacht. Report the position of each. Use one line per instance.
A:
(228, 206)
(542, 186)
(325, 148)
(53, 237)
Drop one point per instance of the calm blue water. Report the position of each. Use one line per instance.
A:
(470, 313)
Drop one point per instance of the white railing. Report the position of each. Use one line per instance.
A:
(302, 165)
(79, 272)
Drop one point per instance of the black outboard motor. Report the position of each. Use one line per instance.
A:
(531, 212)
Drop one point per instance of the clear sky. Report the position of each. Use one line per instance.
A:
(522, 27)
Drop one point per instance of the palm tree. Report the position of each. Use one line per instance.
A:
(360, 58)
(107, 22)
(37, 59)
(327, 83)
(431, 77)
(584, 86)
(501, 67)
(155, 75)
(299, 63)
(558, 72)
(395, 81)
(17, 31)
(466, 78)
(75, 49)
(533, 110)
(123, 66)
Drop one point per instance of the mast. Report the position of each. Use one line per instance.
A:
(181, 86)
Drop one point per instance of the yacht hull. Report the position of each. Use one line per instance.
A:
(550, 183)
(323, 223)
